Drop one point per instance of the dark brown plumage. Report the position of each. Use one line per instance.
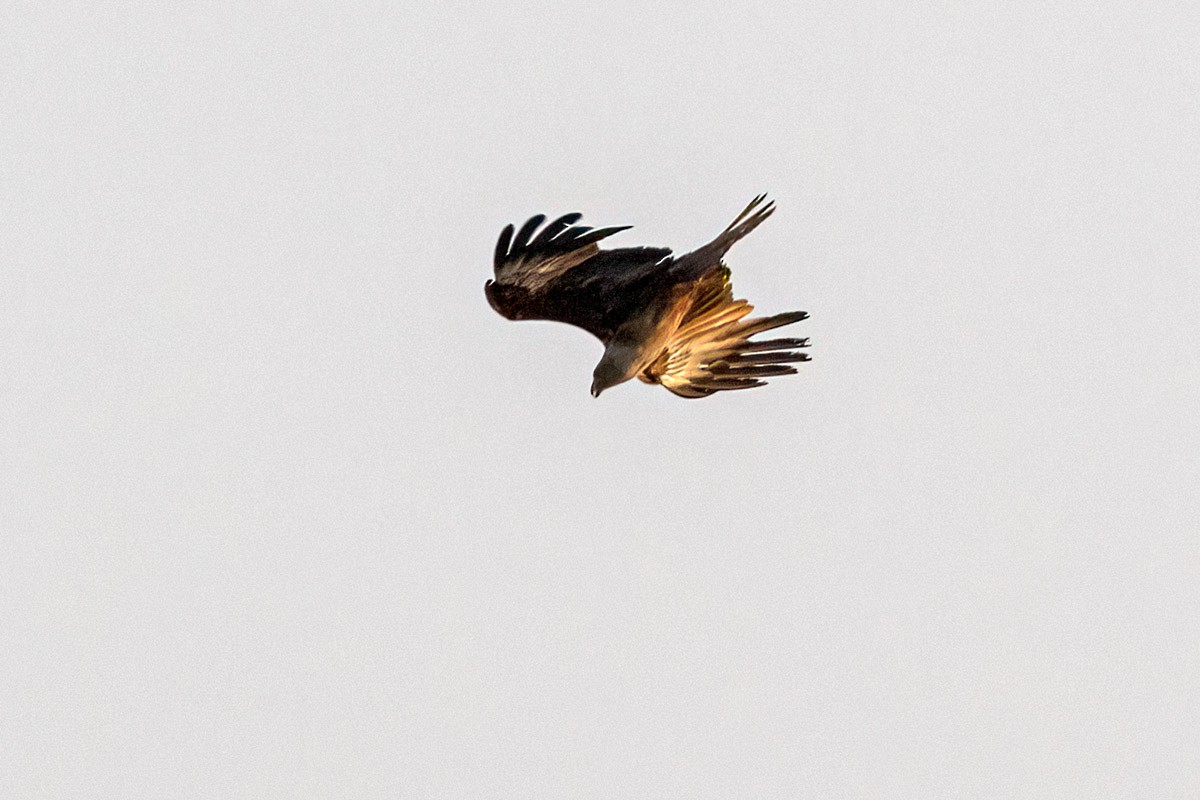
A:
(662, 319)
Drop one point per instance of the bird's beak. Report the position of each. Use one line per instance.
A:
(596, 390)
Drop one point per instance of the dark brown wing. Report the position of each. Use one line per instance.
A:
(562, 274)
(533, 262)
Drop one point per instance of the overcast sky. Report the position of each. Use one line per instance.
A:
(289, 511)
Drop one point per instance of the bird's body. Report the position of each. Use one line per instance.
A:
(662, 319)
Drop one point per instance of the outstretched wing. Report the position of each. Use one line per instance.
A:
(533, 262)
(562, 274)
(712, 351)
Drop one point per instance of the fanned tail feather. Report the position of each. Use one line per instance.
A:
(750, 218)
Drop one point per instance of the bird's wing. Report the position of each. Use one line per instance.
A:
(561, 274)
(712, 351)
(533, 262)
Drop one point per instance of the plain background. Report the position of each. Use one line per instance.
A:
(288, 511)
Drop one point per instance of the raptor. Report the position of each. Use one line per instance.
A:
(662, 319)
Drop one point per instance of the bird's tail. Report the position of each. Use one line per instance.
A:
(751, 217)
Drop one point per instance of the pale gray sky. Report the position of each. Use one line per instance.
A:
(288, 511)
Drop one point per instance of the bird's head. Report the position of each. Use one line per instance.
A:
(606, 375)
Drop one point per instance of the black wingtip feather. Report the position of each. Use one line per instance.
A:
(600, 233)
(561, 235)
(502, 245)
(787, 318)
(723, 370)
(526, 231)
(773, 344)
(557, 227)
(720, 384)
(572, 234)
(785, 357)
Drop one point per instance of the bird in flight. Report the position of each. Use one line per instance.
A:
(662, 319)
